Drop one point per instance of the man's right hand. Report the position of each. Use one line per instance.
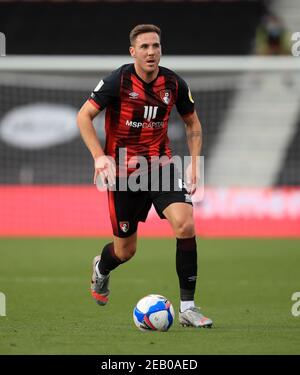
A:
(105, 166)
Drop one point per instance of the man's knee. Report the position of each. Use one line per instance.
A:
(184, 228)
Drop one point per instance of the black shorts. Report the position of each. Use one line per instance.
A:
(128, 207)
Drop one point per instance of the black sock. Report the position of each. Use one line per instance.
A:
(186, 267)
(109, 261)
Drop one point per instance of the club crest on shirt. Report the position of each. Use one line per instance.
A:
(124, 226)
(165, 96)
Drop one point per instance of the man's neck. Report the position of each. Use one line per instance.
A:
(146, 77)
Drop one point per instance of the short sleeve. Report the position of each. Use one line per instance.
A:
(185, 102)
(107, 90)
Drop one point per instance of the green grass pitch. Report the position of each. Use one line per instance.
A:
(245, 286)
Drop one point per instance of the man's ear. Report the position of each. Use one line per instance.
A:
(132, 51)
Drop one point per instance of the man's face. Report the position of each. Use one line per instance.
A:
(146, 51)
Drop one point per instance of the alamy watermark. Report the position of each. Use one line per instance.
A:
(2, 304)
(296, 46)
(2, 44)
(296, 306)
(154, 173)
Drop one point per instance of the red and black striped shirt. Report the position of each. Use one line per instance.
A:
(137, 113)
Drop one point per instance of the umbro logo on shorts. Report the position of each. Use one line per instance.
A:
(188, 198)
(124, 226)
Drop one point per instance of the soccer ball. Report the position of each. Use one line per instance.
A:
(153, 313)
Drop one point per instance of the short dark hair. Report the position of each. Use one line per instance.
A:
(141, 29)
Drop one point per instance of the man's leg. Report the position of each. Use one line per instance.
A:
(180, 216)
(117, 252)
(124, 207)
(113, 254)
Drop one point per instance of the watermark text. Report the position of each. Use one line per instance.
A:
(155, 173)
(296, 46)
(296, 306)
(2, 44)
(2, 304)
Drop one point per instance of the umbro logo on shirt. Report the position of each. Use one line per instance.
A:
(133, 95)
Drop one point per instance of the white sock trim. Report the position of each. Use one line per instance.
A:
(98, 272)
(97, 269)
(184, 305)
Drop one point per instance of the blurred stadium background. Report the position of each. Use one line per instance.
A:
(236, 57)
(248, 104)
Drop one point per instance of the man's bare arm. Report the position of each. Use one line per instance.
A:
(104, 166)
(87, 130)
(194, 141)
(193, 134)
